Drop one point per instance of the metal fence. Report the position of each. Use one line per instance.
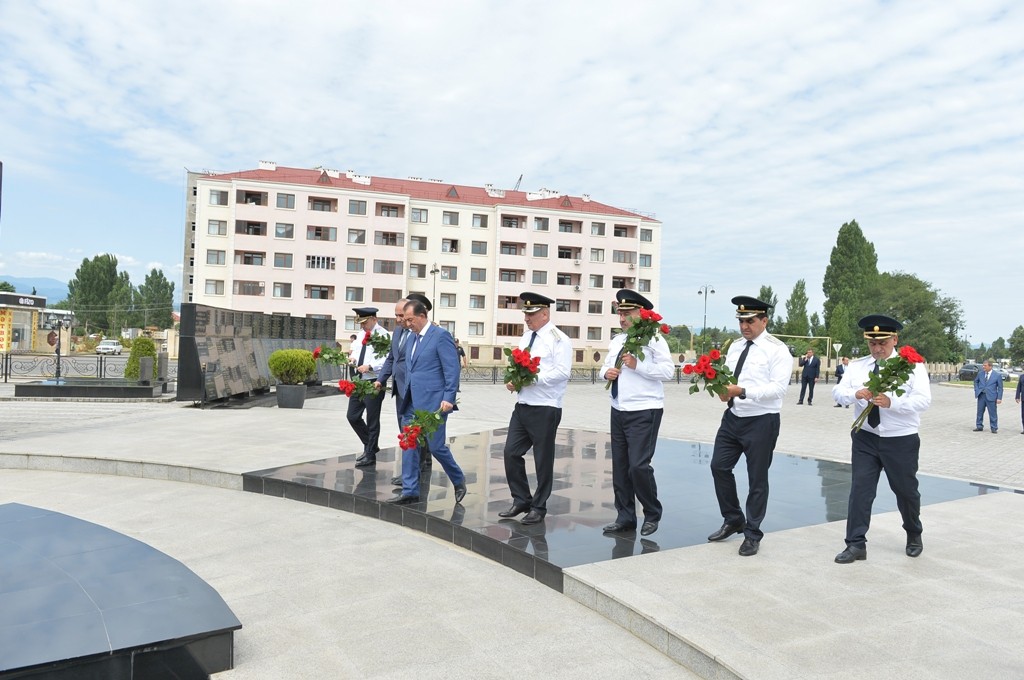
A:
(18, 366)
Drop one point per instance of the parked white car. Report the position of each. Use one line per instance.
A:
(109, 347)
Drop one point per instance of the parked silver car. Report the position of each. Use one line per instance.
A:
(109, 347)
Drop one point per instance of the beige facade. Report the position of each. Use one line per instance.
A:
(318, 243)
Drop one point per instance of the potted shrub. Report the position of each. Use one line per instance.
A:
(291, 368)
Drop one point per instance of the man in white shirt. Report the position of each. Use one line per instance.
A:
(888, 440)
(366, 363)
(762, 364)
(538, 411)
(638, 403)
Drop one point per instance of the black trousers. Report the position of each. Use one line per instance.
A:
(898, 457)
(531, 427)
(754, 436)
(807, 386)
(634, 437)
(368, 431)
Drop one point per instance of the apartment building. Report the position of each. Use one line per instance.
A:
(318, 242)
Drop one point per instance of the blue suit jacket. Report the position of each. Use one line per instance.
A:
(395, 366)
(812, 367)
(433, 369)
(991, 389)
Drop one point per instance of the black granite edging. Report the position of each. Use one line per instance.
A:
(411, 517)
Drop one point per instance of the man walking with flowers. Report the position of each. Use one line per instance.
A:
(638, 361)
(761, 365)
(368, 360)
(538, 411)
(890, 391)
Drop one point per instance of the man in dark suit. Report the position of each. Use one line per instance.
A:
(988, 390)
(841, 366)
(1020, 398)
(811, 369)
(433, 381)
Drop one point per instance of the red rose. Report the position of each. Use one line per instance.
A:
(687, 369)
(710, 374)
(911, 355)
(366, 338)
(645, 314)
(703, 361)
(666, 329)
(715, 355)
(316, 353)
(655, 316)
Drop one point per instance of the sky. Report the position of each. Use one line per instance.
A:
(751, 130)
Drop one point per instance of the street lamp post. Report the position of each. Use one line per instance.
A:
(433, 298)
(705, 290)
(57, 324)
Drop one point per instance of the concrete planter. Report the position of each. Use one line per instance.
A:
(291, 396)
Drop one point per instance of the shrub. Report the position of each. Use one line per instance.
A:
(142, 347)
(292, 366)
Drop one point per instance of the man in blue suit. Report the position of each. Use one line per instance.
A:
(433, 380)
(988, 390)
(812, 368)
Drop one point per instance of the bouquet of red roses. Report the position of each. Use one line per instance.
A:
(712, 370)
(892, 374)
(639, 335)
(522, 369)
(378, 342)
(424, 423)
(330, 355)
(359, 388)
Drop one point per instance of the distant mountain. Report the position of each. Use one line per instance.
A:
(53, 290)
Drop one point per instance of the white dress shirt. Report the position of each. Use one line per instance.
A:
(555, 351)
(641, 388)
(765, 374)
(903, 416)
(370, 358)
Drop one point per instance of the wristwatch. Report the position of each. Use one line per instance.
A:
(743, 393)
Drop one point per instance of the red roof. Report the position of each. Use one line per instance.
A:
(426, 190)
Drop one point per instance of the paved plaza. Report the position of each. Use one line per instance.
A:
(323, 593)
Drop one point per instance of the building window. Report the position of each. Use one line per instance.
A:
(218, 198)
(620, 231)
(447, 300)
(477, 274)
(618, 282)
(449, 245)
(644, 286)
(623, 256)
(479, 221)
(319, 262)
(216, 257)
(510, 222)
(251, 228)
(248, 288)
(645, 260)
(251, 197)
(597, 228)
(357, 236)
(647, 235)
(448, 326)
(450, 218)
(540, 223)
(508, 329)
(283, 230)
(217, 228)
(323, 204)
(353, 294)
(319, 292)
(508, 275)
(283, 261)
(509, 248)
(564, 253)
(285, 201)
(390, 211)
(419, 215)
(572, 331)
(388, 238)
(355, 264)
(321, 233)
(356, 207)
(282, 290)
(214, 287)
(417, 243)
(597, 280)
(417, 271)
(563, 279)
(478, 247)
(540, 249)
(476, 328)
(450, 273)
(476, 301)
(595, 307)
(387, 267)
(593, 332)
(566, 227)
(250, 258)
(540, 277)
(563, 305)
(391, 295)
(597, 254)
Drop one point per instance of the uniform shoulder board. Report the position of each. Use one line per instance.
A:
(774, 340)
(558, 334)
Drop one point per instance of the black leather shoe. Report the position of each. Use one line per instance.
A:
(749, 547)
(914, 545)
(403, 500)
(460, 492)
(725, 532)
(648, 528)
(396, 481)
(361, 458)
(532, 517)
(839, 405)
(979, 429)
(515, 510)
(618, 528)
(367, 462)
(851, 554)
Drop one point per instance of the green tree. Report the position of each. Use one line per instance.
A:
(851, 277)
(7, 287)
(89, 291)
(156, 301)
(1016, 346)
(679, 339)
(796, 311)
(931, 322)
(766, 294)
(998, 348)
(843, 329)
(119, 304)
(817, 328)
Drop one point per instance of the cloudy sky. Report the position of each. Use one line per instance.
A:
(752, 130)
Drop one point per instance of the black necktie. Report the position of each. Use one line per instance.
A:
(739, 367)
(615, 383)
(874, 417)
(362, 355)
(532, 338)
